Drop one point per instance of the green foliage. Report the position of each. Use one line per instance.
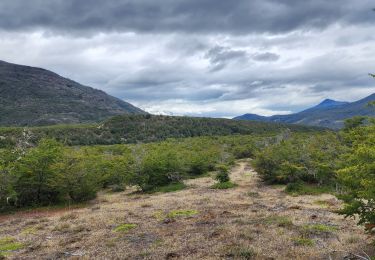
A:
(147, 128)
(222, 174)
(124, 228)
(182, 213)
(34, 174)
(313, 230)
(8, 244)
(354, 122)
(301, 241)
(51, 173)
(223, 185)
(357, 175)
(300, 188)
(74, 180)
(301, 158)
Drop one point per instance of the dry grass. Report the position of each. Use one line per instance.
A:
(250, 221)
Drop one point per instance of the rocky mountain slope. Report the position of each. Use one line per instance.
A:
(33, 96)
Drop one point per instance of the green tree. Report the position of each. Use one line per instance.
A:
(160, 166)
(354, 122)
(7, 194)
(34, 174)
(357, 176)
(73, 179)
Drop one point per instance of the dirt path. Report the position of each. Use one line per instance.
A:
(249, 221)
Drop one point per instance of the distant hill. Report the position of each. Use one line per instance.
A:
(145, 128)
(32, 96)
(329, 113)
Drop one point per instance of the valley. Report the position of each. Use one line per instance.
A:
(250, 221)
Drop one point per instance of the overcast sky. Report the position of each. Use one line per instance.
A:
(200, 57)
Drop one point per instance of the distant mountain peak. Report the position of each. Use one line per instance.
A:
(327, 103)
(328, 113)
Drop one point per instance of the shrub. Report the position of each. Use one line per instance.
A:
(222, 174)
(223, 185)
(294, 187)
(169, 188)
(159, 166)
(309, 159)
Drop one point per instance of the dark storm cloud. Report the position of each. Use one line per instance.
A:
(191, 16)
(200, 57)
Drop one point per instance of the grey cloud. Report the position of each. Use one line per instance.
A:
(191, 16)
(217, 56)
(220, 56)
(266, 56)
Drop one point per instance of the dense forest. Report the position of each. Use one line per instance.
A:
(141, 128)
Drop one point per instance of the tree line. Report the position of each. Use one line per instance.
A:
(51, 173)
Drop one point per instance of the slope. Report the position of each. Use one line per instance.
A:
(33, 96)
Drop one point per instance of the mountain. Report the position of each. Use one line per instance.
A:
(34, 96)
(252, 117)
(327, 103)
(329, 113)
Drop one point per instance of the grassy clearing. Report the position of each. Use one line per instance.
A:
(123, 228)
(223, 185)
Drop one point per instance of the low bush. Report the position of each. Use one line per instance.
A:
(222, 174)
(223, 185)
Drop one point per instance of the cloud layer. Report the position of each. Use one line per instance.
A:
(200, 57)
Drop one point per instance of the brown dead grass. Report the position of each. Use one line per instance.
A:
(226, 224)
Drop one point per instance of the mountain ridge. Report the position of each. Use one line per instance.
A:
(328, 113)
(32, 96)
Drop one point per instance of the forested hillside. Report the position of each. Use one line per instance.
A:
(141, 128)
